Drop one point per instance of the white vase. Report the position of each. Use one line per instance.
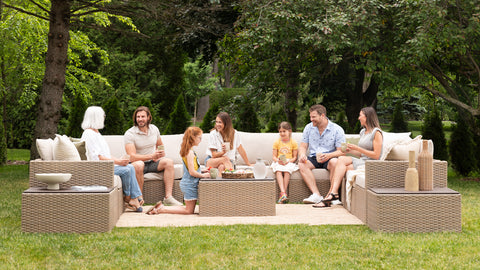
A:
(259, 169)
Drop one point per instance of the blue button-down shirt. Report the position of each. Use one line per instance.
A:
(331, 138)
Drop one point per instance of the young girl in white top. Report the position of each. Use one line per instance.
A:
(285, 151)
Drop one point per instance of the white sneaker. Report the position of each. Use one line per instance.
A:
(170, 201)
(314, 198)
(337, 202)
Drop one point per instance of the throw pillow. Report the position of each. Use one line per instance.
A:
(390, 139)
(400, 150)
(80, 145)
(64, 149)
(45, 148)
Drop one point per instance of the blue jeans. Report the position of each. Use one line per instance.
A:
(129, 181)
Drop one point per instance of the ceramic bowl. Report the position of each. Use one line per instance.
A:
(53, 180)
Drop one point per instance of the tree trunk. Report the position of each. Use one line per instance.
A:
(360, 97)
(50, 100)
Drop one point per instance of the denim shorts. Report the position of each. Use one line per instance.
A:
(313, 160)
(189, 187)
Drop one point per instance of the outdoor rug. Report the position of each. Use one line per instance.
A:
(286, 214)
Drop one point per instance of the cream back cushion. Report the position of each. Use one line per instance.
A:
(64, 149)
(400, 151)
(391, 139)
(45, 148)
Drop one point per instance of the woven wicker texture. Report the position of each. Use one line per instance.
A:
(84, 173)
(391, 174)
(298, 190)
(154, 191)
(358, 203)
(237, 198)
(414, 212)
(71, 212)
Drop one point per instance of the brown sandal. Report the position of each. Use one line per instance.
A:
(154, 210)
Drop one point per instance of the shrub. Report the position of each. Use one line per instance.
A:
(246, 115)
(114, 122)
(75, 118)
(275, 119)
(209, 119)
(433, 129)
(179, 118)
(461, 148)
(398, 120)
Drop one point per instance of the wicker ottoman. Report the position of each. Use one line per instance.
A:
(237, 197)
(67, 211)
(394, 210)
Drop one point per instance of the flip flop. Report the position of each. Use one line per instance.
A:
(154, 210)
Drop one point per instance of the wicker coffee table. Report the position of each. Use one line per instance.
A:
(394, 210)
(237, 197)
(67, 210)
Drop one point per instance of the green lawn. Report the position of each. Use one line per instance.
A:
(235, 247)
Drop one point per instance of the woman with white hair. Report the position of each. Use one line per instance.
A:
(98, 149)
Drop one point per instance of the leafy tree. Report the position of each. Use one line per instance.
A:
(433, 45)
(398, 121)
(179, 118)
(75, 118)
(198, 82)
(461, 148)
(433, 129)
(114, 121)
(209, 119)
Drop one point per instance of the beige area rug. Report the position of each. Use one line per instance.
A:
(286, 214)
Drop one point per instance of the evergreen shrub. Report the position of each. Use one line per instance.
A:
(398, 120)
(432, 129)
(208, 122)
(3, 143)
(114, 121)
(275, 118)
(75, 118)
(461, 148)
(179, 118)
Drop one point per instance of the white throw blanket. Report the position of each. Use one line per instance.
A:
(351, 175)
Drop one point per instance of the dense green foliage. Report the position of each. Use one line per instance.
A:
(245, 117)
(75, 117)
(276, 118)
(114, 118)
(179, 118)
(433, 129)
(461, 148)
(208, 122)
(398, 119)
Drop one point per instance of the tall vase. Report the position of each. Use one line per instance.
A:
(411, 176)
(425, 168)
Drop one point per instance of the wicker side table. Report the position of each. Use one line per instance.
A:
(237, 197)
(394, 210)
(70, 211)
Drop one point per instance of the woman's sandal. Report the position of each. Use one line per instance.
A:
(327, 202)
(154, 210)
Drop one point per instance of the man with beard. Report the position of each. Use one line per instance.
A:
(141, 143)
(322, 138)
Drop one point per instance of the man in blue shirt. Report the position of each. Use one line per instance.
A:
(322, 139)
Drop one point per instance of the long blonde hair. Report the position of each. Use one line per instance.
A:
(189, 140)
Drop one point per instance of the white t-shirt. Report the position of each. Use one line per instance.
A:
(145, 143)
(215, 141)
(95, 144)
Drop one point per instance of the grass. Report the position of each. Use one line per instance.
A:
(237, 246)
